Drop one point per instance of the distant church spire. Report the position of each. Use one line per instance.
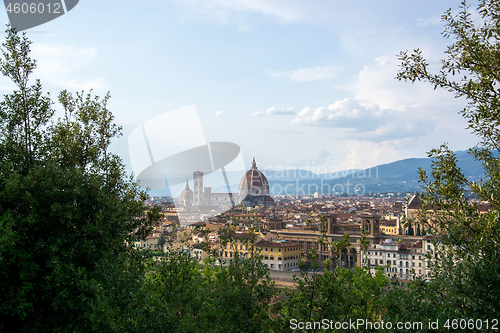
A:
(187, 184)
(254, 165)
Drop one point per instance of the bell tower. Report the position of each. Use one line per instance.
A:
(198, 199)
(370, 224)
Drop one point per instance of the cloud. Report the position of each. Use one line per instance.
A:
(347, 113)
(305, 74)
(320, 158)
(376, 85)
(57, 65)
(429, 21)
(224, 11)
(220, 114)
(364, 154)
(370, 121)
(276, 111)
(322, 155)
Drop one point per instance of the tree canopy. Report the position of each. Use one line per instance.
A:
(467, 240)
(67, 209)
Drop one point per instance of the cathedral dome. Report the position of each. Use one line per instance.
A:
(186, 195)
(254, 183)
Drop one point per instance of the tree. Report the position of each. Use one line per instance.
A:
(67, 210)
(467, 241)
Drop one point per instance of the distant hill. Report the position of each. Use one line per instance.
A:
(399, 176)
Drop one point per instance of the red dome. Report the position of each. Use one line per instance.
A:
(254, 183)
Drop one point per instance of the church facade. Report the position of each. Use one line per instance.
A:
(253, 190)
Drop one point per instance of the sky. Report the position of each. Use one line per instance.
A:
(295, 84)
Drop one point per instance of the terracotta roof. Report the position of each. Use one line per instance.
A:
(265, 243)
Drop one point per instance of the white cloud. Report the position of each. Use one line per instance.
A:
(276, 111)
(306, 164)
(370, 121)
(223, 10)
(220, 114)
(57, 65)
(376, 84)
(305, 74)
(434, 20)
(364, 154)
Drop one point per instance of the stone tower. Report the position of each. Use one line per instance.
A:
(198, 199)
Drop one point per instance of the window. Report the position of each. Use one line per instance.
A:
(271, 258)
(279, 258)
(419, 264)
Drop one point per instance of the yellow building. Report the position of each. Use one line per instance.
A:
(279, 254)
(389, 227)
(239, 242)
(276, 255)
(150, 243)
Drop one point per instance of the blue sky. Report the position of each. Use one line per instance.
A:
(293, 83)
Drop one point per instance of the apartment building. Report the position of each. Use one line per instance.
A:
(279, 255)
(400, 261)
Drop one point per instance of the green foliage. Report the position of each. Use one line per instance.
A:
(467, 255)
(467, 241)
(337, 296)
(187, 297)
(67, 211)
